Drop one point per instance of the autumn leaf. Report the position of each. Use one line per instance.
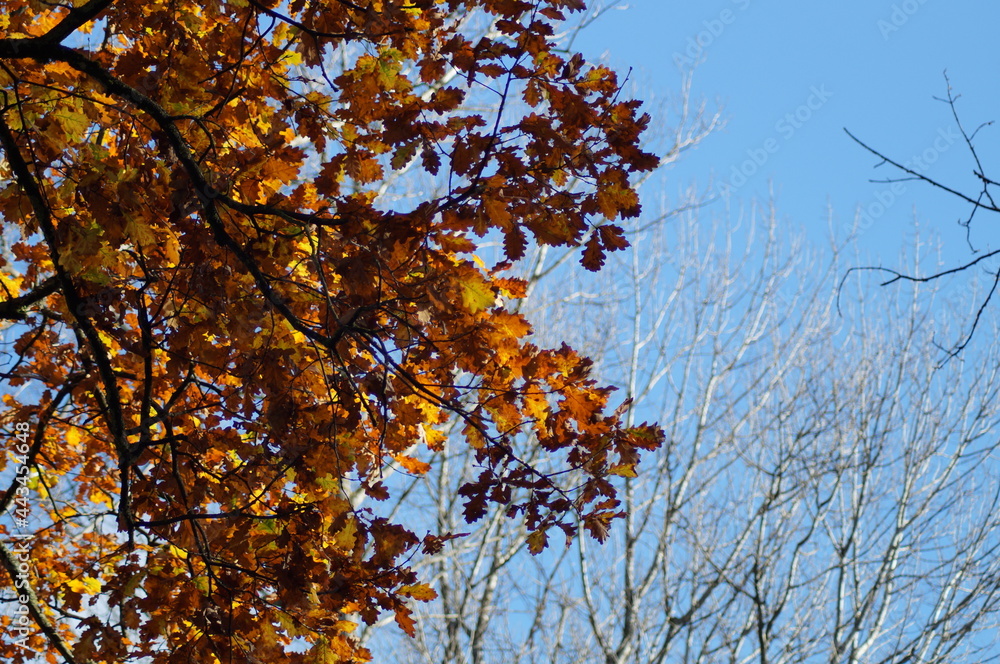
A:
(623, 470)
(593, 255)
(415, 466)
(477, 294)
(599, 525)
(347, 536)
(422, 592)
(431, 160)
(612, 237)
(404, 618)
(538, 541)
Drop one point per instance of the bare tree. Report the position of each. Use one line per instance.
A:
(827, 492)
(979, 199)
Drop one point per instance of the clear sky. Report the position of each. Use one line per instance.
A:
(789, 76)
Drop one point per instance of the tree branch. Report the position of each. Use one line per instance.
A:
(13, 309)
(77, 17)
(11, 564)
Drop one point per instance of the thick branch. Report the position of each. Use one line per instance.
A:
(13, 309)
(77, 17)
(116, 420)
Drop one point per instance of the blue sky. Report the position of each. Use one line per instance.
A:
(790, 76)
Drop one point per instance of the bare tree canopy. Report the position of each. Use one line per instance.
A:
(827, 491)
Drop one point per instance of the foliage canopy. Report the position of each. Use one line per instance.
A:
(221, 330)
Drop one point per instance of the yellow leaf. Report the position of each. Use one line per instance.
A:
(347, 536)
(74, 123)
(287, 623)
(624, 470)
(431, 437)
(11, 284)
(476, 293)
(267, 637)
(85, 586)
(100, 498)
(171, 249)
(420, 591)
(345, 626)
(140, 233)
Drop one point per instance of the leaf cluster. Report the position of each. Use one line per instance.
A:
(224, 334)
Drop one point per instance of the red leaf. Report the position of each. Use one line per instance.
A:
(593, 254)
(613, 237)
(431, 160)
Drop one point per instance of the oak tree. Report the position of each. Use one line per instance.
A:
(221, 330)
